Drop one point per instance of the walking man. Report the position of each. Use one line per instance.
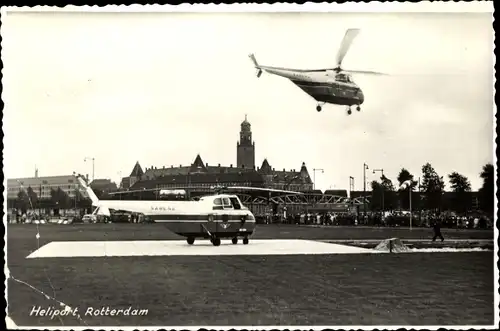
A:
(437, 230)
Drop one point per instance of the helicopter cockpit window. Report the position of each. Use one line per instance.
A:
(226, 203)
(236, 203)
(217, 203)
(341, 78)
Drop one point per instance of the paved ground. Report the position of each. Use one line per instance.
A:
(364, 289)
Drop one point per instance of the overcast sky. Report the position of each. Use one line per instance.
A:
(160, 88)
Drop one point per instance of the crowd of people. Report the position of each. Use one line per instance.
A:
(395, 218)
(390, 219)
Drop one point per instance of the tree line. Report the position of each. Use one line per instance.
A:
(431, 188)
(29, 199)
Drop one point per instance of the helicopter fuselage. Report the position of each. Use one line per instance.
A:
(324, 87)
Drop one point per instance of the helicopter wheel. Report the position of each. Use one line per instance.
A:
(235, 240)
(318, 108)
(216, 241)
(358, 108)
(190, 240)
(349, 112)
(245, 241)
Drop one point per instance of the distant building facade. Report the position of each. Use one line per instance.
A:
(202, 175)
(45, 195)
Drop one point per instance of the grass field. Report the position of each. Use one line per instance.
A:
(373, 289)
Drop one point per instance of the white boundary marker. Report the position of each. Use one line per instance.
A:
(182, 248)
(73, 249)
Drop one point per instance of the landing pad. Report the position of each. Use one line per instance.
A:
(181, 247)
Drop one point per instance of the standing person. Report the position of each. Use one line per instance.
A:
(437, 230)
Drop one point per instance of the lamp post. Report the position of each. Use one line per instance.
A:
(93, 165)
(408, 184)
(365, 167)
(351, 189)
(351, 185)
(119, 173)
(314, 175)
(383, 188)
(419, 203)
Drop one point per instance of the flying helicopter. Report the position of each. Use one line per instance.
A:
(330, 85)
(214, 216)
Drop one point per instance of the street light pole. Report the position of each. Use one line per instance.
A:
(365, 167)
(93, 165)
(383, 189)
(314, 175)
(411, 213)
(119, 173)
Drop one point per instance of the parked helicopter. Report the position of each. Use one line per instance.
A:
(213, 217)
(331, 85)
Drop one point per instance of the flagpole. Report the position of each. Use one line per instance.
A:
(411, 215)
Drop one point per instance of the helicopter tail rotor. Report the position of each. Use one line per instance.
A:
(256, 64)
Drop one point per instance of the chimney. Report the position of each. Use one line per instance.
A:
(243, 166)
(36, 173)
(87, 177)
(206, 165)
(219, 165)
(231, 166)
(171, 166)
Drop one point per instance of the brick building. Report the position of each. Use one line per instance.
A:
(202, 175)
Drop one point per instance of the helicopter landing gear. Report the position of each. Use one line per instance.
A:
(235, 240)
(215, 241)
(190, 240)
(358, 108)
(245, 241)
(349, 112)
(320, 105)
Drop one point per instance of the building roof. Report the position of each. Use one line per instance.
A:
(47, 180)
(198, 166)
(253, 178)
(265, 168)
(137, 171)
(245, 125)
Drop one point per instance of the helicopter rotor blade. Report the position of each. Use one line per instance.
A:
(365, 72)
(349, 36)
